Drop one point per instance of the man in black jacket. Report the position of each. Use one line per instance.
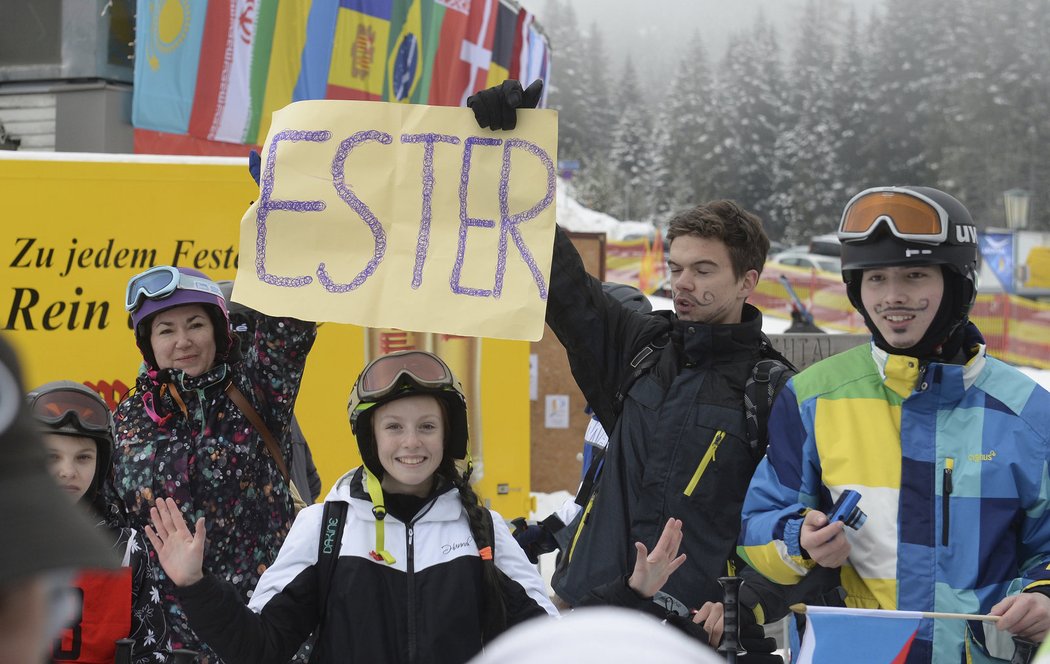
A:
(678, 438)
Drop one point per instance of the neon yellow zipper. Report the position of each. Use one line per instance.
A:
(709, 456)
(583, 522)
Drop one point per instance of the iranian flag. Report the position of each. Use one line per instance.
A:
(234, 62)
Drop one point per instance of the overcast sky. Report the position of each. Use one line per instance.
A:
(654, 31)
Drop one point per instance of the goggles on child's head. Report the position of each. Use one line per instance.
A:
(384, 374)
(159, 282)
(60, 406)
(907, 214)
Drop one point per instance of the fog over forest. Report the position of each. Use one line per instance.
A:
(791, 106)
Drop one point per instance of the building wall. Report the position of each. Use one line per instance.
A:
(65, 74)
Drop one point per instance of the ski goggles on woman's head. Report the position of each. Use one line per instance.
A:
(385, 373)
(907, 214)
(59, 407)
(159, 282)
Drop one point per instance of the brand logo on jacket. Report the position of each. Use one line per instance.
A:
(983, 457)
(329, 534)
(449, 548)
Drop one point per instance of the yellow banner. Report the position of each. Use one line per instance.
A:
(403, 216)
(74, 228)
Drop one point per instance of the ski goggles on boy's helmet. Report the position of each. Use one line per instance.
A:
(386, 373)
(60, 407)
(159, 282)
(907, 214)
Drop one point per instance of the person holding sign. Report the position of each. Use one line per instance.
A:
(947, 446)
(678, 444)
(193, 427)
(401, 563)
(75, 424)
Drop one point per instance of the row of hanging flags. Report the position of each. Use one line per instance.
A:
(211, 72)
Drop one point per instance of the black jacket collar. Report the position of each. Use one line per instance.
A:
(702, 343)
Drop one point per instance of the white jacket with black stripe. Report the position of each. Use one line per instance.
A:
(423, 609)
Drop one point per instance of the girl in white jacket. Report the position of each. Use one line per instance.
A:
(423, 572)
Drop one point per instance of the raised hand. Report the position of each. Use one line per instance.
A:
(180, 552)
(497, 107)
(651, 570)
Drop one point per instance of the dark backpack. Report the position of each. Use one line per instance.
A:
(328, 544)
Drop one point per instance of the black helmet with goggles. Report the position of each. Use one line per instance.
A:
(404, 374)
(892, 226)
(69, 408)
(912, 226)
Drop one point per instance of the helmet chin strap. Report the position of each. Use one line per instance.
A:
(375, 492)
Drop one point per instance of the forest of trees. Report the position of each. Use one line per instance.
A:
(793, 119)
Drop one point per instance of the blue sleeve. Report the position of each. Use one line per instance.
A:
(784, 487)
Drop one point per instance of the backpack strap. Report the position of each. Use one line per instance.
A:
(768, 376)
(329, 542)
(272, 446)
(643, 361)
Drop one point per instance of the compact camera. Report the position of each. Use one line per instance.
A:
(847, 511)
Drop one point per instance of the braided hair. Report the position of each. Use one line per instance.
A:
(493, 615)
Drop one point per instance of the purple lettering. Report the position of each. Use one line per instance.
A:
(423, 242)
(266, 204)
(465, 221)
(509, 223)
(358, 206)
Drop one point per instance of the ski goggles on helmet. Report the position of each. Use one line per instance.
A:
(907, 214)
(385, 374)
(59, 407)
(159, 282)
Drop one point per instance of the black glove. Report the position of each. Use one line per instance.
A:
(497, 107)
(533, 538)
(753, 638)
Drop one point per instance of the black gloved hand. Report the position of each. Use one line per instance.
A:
(497, 107)
(753, 638)
(533, 538)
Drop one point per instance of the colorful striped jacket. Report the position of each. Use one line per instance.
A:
(951, 463)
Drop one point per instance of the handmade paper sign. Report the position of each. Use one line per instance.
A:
(403, 216)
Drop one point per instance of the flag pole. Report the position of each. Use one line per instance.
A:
(801, 608)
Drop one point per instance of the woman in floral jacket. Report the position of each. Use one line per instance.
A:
(180, 434)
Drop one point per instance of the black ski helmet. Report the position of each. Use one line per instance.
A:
(628, 296)
(404, 374)
(72, 409)
(907, 225)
